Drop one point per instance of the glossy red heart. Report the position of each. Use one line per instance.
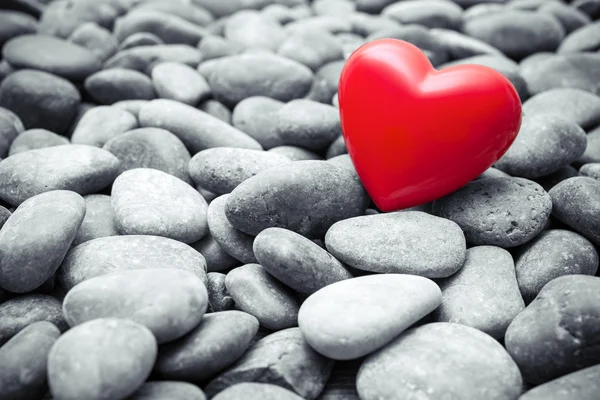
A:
(416, 134)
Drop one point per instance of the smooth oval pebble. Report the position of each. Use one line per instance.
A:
(216, 109)
(256, 116)
(78, 168)
(440, 359)
(429, 13)
(251, 29)
(52, 55)
(590, 170)
(557, 333)
(214, 344)
(100, 124)
(218, 298)
(40, 99)
(297, 261)
(354, 317)
(575, 203)
(302, 196)
(234, 242)
(35, 139)
(282, 358)
(23, 362)
(581, 385)
(180, 82)
(216, 258)
(409, 242)
(545, 144)
(118, 84)
(169, 302)
(140, 39)
(312, 48)
(36, 237)
(103, 359)
(483, 294)
(504, 212)
(222, 169)
(259, 294)
(256, 391)
(167, 390)
(15, 23)
(11, 128)
(117, 253)
(196, 129)
(99, 220)
(235, 78)
(151, 202)
(151, 148)
(551, 254)
(22, 311)
(96, 39)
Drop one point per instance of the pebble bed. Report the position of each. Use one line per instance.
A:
(180, 219)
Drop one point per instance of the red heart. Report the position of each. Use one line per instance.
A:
(416, 134)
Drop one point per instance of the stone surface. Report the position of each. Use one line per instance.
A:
(99, 220)
(216, 258)
(11, 127)
(440, 359)
(218, 298)
(557, 333)
(429, 13)
(180, 82)
(576, 105)
(217, 342)
(50, 221)
(584, 39)
(251, 29)
(96, 39)
(582, 385)
(256, 391)
(354, 317)
(35, 139)
(255, 115)
(163, 390)
(118, 84)
(100, 124)
(504, 212)
(147, 201)
(409, 242)
(312, 48)
(105, 358)
(142, 58)
(117, 253)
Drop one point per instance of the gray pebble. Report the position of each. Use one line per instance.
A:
(337, 148)
(82, 169)
(575, 203)
(213, 345)
(429, 13)
(99, 220)
(196, 129)
(440, 359)
(276, 359)
(256, 391)
(118, 253)
(297, 261)
(147, 201)
(312, 48)
(21, 311)
(11, 127)
(553, 179)
(216, 258)
(460, 45)
(107, 358)
(251, 29)
(483, 294)
(151, 148)
(235, 78)
(259, 294)
(234, 242)
(570, 18)
(142, 58)
(100, 124)
(306, 197)
(23, 362)
(51, 220)
(15, 23)
(217, 109)
(220, 170)
(579, 106)
(325, 83)
(545, 144)
(180, 82)
(308, 124)
(96, 39)
(584, 39)
(504, 212)
(556, 334)
(330, 23)
(551, 254)
(581, 385)
(256, 116)
(140, 39)
(592, 151)
(60, 19)
(117, 84)
(188, 11)
(213, 46)
(218, 298)
(492, 172)
(40, 99)
(365, 24)
(167, 390)
(295, 153)
(591, 170)
(408, 242)
(36, 139)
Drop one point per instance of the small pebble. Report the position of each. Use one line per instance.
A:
(217, 109)
(96, 39)
(11, 127)
(556, 334)
(256, 116)
(218, 298)
(579, 106)
(259, 294)
(590, 170)
(214, 344)
(325, 83)
(277, 359)
(140, 39)
(584, 39)
(328, 318)
(118, 253)
(217, 259)
(51, 220)
(504, 212)
(256, 391)
(105, 358)
(592, 151)
(142, 58)
(35, 139)
(410, 242)
(99, 220)
(551, 254)
(15, 23)
(251, 29)
(429, 13)
(295, 153)
(147, 201)
(167, 390)
(312, 48)
(570, 18)
(483, 294)
(100, 124)
(461, 46)
(189, 11)
(117, 84)
(581, 385)
(177, 81)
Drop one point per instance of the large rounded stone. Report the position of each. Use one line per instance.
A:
(409, 242)
(440, 359)
(577, 105)
(118, 84)
(36, 237)
(503, 212)
(306, 197)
